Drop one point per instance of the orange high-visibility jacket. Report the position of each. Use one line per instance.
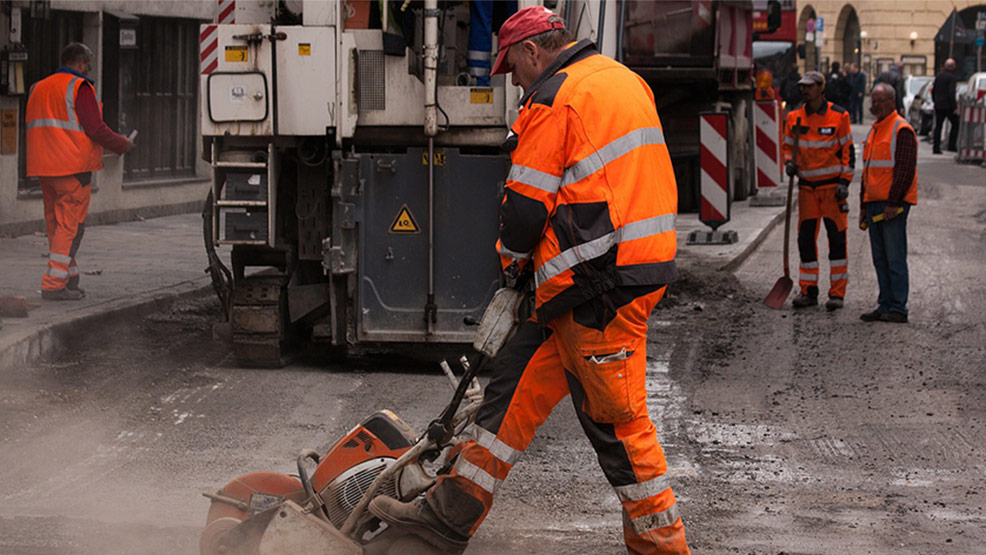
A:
(879, 152)
(825, 149)
(56, 143)
(591, 196)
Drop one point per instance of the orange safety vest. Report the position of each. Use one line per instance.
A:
(879, 151)
(591, 195)
(825, 149)
(56, 143)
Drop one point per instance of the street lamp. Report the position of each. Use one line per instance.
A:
(914, 37)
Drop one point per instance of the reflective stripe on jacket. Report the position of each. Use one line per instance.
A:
(825, 149)
(879, 158)
(57, 145)
(591, 194)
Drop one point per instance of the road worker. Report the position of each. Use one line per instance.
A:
(824, 165)
(589, 207)
(889, 189)
(65, 140)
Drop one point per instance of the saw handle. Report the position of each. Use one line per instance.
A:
(440, 430)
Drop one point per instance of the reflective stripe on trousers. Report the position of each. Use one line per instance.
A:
(530, 376)
(66, 204)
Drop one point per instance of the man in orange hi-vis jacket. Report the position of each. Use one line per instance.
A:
(65, 140)
(590, 208)
(824, 166)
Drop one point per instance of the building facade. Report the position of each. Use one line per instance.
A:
(146, 75)
(877, 33)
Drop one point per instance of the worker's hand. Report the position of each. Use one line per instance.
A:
(889, 212)
(130, 146)
(862, 218)
(791, 169)
(842, 192)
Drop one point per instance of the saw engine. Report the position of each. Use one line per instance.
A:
(245, 510)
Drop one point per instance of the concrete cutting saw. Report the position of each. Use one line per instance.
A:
(264, 513)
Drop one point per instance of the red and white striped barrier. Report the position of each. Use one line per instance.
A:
(972, 134)
(209, 38)
(714, 162)
(766, 117)
(713, 134)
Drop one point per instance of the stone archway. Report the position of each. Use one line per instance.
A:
(847, 40)
(811, 54)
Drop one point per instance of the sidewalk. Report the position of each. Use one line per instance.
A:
(135, 268)
(127, 269)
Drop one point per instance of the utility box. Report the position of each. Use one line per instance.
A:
(239, 86)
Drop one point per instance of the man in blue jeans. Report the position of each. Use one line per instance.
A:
(890, 188)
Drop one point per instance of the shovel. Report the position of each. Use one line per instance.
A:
(775, 299)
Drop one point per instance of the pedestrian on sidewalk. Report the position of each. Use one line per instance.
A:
(825, 166)
(857, 82)
(589, 207)
(946, 108)
(65, 140)
(838, 90)
(889, 189)
(789, 89)
(895, 79)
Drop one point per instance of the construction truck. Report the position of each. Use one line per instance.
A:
(357, 162)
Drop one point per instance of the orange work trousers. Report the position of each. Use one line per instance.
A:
(596, 353)
(819, 204)
(66, 203)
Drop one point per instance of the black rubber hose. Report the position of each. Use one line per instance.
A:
(307, 483)
(222, 279)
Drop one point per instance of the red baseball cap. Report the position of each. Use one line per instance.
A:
(530, 21)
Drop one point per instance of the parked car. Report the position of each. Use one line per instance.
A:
(921, 110)
(975, 87)
(912, 86)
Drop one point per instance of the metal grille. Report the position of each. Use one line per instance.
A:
(164, 105)
(343, 493)
(372, 84)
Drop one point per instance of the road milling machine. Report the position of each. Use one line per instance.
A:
(357, 162)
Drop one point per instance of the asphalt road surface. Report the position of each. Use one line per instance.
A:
(786, 432)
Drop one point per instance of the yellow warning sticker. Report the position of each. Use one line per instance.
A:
(236, 53)
(304, 49)
(481, 96)
(404, 222)
(439, 158)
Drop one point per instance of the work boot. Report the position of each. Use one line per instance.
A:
(73, 285)
(63, 295)
(803, 301)
(871, 316)
(417, 518)
(894, 317)
(834, 303)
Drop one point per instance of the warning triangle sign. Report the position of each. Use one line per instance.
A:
(404, 222)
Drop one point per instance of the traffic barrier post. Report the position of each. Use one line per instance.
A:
(715, 170)
(972, 132)
(768, 159)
